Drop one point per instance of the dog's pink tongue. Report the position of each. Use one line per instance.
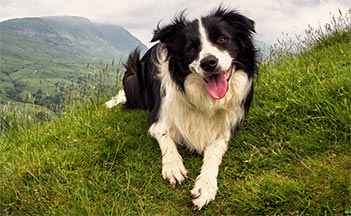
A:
(217, 86)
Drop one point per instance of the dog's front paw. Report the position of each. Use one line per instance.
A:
(204, 191)
(174, 171)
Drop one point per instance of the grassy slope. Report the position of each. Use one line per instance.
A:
(292, 155)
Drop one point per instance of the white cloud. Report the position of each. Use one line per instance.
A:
(272, 17)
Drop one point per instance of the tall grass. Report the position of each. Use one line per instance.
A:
(94, 87)
(99, 82)
(289, 47)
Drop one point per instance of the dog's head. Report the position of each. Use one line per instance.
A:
(213, 47)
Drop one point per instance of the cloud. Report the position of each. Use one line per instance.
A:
(293, 17)
(272, 17)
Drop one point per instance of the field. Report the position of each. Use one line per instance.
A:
(291, 156)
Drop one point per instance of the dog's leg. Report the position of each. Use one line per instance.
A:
(173, 169)
(118, 99)
(205, 188)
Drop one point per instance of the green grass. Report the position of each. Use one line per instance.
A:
(53, 95)
(291, 156)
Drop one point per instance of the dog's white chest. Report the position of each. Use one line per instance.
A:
(195, 119)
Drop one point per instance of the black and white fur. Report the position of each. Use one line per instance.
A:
(174, 81)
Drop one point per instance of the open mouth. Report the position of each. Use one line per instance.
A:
(217, 84)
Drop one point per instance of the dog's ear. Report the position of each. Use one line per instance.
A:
(237, 20)
(165, 34)
(170, 32)
(249, 23)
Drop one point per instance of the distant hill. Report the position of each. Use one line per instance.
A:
(263, 49)
(37, 53)
(76, 37)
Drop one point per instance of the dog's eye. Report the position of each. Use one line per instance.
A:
(222, 40)
(191, 47)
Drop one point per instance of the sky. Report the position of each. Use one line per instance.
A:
(273, 18)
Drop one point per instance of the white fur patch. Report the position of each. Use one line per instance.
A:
(194, 118)
(207, 48)
(173, 169)
(116, 100)
(205, 188)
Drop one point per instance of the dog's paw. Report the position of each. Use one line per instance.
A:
(111, 103)
(204, 191)
(174, 172)
(116, 100)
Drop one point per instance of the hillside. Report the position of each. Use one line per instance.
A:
(40, 54)
(65, 37)
(291, 156)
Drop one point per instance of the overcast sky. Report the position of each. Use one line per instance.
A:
(272, 17)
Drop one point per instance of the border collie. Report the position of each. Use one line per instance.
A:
(197, 83)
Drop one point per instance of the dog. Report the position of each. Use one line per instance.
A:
(197, 83)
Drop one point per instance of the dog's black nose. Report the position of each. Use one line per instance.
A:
(209, 63)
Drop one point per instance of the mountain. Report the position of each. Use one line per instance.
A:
(37, 53)
(76, 37)
(263, 49)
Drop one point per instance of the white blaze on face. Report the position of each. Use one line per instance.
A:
(217, 80)
(208, 48)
